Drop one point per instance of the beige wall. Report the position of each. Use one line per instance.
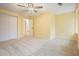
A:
(65, 25)
(20, 21)
(77, 19)
(77, 16)
(20, 26)
(42, 25)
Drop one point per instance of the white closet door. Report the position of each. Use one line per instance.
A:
(8, 27)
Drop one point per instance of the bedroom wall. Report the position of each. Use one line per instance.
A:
(43, 24)
(66, 26)
(77, 19)
(77, 16)
(20, 21)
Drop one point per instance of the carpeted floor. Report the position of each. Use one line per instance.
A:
(39, 47)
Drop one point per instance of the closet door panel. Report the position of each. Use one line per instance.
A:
(8, 27)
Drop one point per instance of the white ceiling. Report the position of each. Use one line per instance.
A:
(47, 7)
(66, 7)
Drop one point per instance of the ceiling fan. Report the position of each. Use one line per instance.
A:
(31, 6)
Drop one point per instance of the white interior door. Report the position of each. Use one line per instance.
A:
(8, 27)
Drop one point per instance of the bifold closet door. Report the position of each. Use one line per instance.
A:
(8, 27)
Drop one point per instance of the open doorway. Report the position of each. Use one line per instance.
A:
(28, 27)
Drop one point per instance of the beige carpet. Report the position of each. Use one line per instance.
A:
(38, 47)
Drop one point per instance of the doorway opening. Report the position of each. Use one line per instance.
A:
(28, 27)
